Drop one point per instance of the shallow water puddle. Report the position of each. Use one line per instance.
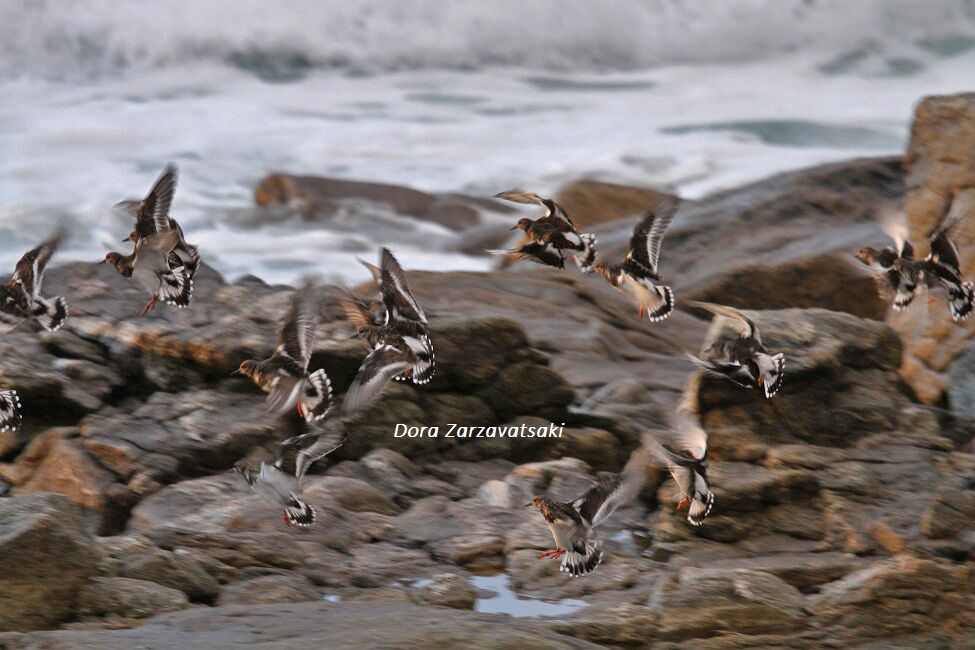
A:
(506, 601)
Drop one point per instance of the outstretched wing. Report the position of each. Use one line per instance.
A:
(297, 454)
(356, 311)
(612, 492)
(30, 268)
(395, 290)
(745, 325)
(943, 249)
(533, 252)
(296, 338)
(644, 248)
(379, 368)
(153, 211)
(554, 213)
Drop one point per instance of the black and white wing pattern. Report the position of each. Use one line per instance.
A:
(296, 337)
(644, 247)
(297, 454)
(152, 215)
(379, 368)
(30, 268)
(544, 254)
(395, 290)
(10, 417)
(683, 452)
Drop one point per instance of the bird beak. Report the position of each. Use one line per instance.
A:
(236, 372)
(129, 238)
(528, 505)
(514, 227)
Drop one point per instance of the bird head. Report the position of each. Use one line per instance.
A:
(133, 236)
(112, 258)
(247, 368)
(536, 502)
(523, 224)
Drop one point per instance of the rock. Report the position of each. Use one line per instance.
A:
(350, 625)
(318, 198)
(269, 589)
(902, 595)
(67, 469)
(448, 590)
(135, 556)
(46, 558)
(591, 202)
(961, 384)
(804, 571)
(941, 173)
(749, 602)
(128, 598)
(357, 496)
(951, 511)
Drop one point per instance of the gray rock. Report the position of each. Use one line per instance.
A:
(270, 589)
(448, 590)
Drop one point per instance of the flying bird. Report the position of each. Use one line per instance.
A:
(637, 276)
(154, 207)
(550, 235)
(400, 340)
(683, 452)
(10, 417)
(572, 523)
(20, 296)
(284, 375)
(734, 349)
(939, 272)
(280, 482)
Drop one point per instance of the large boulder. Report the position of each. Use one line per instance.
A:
(940, 162)
(46, 558)
(128, 598)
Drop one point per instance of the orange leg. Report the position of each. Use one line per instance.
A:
(284, 515)
(149, 306)
(642, 309)
(683, 503)
(301, 409)
(548, 554)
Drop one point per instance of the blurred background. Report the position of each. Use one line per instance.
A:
(466, 97)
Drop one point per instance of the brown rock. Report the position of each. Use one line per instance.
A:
(290, 588)
(591, 202)
(448, 590)
(128, 598)
(46, 557)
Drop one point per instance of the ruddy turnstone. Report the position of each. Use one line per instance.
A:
(735, 350)
(550, 234)
(20, 297)
(284, 375)
(637, 276)
(683, 452)
(155, 206)
(939, 272)
(10, 417)
(572, 523)
(280, 482)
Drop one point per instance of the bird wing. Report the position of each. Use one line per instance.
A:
(356, 311)
(648, 235)
(613, 492)
(297, 454)
(943, 249)
(296, 337)
(745, 325)
(153, 212)
(378, 369)
(534, 252)
(30, 267)
(395, 290)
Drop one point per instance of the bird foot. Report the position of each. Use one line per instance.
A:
(301, 409)
(641, 310)
(284, 516)
(548, 554)
(683, 503)
(149, 306)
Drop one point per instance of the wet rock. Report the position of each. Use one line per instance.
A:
(46, 558)
(269, 589)
(448, 590)
(749, 602)
(128, 598)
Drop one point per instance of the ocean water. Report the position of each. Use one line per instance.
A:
(97, 96)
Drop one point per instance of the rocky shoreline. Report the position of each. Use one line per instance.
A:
(845, 511)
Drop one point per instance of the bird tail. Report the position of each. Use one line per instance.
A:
(52, 313)
(666, 307)
(10, 416)
(586, 259)
(176, 287)
(577, 563)
(962, 301)
(299, 513)
(426, 365)
(317, 399)
(699, 509)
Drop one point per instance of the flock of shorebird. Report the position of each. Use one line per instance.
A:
(396, 330)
